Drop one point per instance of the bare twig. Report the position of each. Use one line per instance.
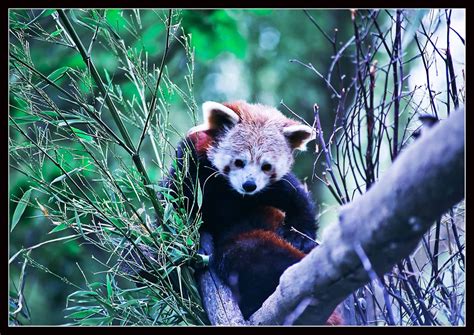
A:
(432, 100)
(327, 154)
(397, 85)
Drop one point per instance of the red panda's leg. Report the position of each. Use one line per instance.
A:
(251, 265)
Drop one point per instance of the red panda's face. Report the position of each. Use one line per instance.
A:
(252, 157)
(253, 144)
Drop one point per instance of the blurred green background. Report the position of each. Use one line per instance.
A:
(239, 54)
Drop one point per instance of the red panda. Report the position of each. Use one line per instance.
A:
(242, 155)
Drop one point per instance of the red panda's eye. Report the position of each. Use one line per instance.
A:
(239, 163)
(266, 167)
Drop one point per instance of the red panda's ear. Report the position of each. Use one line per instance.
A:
(299, 135)
(216, 116)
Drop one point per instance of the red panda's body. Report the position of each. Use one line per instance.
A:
(242, 156)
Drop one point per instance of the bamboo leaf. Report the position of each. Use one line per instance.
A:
(82, 134)
(20, 208)
(96, 321)
(109, 288)
(63, 176)
(78, 223)
(58, 73)
(199, 195)
(83, 314)
(60, 227)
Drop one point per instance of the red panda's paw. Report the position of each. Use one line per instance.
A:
(298, 240)
(302, 243)
(335, 319)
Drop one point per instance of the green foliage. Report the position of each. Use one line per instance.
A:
(20, 208)
(213, 33)
(77, 135)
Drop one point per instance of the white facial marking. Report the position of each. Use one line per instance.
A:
(220, 160)
(255, 142)
(251, 171)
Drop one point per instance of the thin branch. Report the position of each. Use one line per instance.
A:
(426, 67)
(397, 87)
(95, 74)
(374, 278)
(327, 154)
(318, 27)
(155, 93)
(449, 62)
(312, 68)
(370, 130)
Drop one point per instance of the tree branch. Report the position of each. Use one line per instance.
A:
(388, 221)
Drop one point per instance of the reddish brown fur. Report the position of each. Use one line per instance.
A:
(202, 142)
(335, 319)
(258, 114)
(271, 239)
(273, 217)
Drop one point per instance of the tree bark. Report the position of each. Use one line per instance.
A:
(387, 222)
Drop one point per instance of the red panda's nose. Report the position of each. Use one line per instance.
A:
(249, 186)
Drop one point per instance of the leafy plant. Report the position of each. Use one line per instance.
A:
(80, 138)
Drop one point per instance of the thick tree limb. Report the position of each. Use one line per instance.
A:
(387, 222)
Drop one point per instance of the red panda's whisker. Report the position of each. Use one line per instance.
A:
(286, 180)
(205, 181)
